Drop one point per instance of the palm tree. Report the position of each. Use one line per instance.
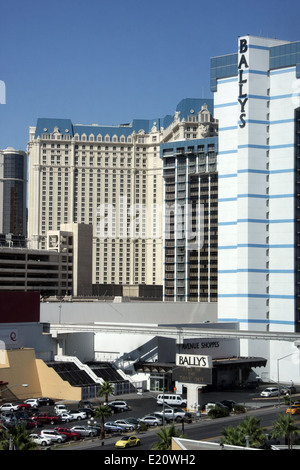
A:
(165, 438)
(105, 389)
(16, 438)
(232, 436)
(251, 427)
(248, 430)
(102, 412)
(284, 427)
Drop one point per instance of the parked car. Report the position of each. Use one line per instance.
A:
(133, 421)
(270, 392)
(175, 414)
(125, 425)
(9, 418)
(119, 404)
(151, 420)
(41, 440)
(20, 414)
(289, 390)
(75, 436)
(22, 406)
(45, 418)
(211, 405)
(89, 412)
(77, 414)
(66, 417)
(111, 426)
(114, 409)
(9, 407)
(229, 404)
(128, 441)
(60, 409)
(29, 423)
(85, 404)
(33, 402)
(54, 435)
(44, 401)
(84, 431)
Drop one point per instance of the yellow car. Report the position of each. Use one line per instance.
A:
(295, 409)
(128, 441)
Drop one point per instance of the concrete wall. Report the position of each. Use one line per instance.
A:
(159, 313)
(28, 335)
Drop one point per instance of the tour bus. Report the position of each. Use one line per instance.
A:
(170, 399)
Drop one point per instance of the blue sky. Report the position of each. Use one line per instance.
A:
(111, 61)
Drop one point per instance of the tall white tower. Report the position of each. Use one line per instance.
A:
(256, 253)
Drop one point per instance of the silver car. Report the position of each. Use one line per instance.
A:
(78, 414)
(125, 425)
(270, 392)
(41, 440)
(84, 431)
(151, 420)
(54, 435)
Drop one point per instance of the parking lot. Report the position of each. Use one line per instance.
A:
(63, 416)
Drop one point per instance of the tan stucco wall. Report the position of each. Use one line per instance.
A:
(20, 366)
(53, 386)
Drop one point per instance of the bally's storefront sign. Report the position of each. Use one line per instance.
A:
(192, 360)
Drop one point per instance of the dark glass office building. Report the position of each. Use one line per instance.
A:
(13, 182)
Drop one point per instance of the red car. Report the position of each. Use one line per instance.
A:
(45, 418)
(67, 432)
(23, 406)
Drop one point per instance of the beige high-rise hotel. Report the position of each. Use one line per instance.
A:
(110, 177)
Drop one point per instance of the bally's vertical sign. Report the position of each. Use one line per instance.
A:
(242, 66)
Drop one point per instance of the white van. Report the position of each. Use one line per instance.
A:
(170, 399)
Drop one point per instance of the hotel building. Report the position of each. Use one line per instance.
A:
(110, 178)
(256, 101)
(191, 214)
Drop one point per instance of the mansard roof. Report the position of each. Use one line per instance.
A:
(184, 108)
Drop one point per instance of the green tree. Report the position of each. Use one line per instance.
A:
(251, 427)
(249, 430)
(16, 438)
(105, 390)
(285, 426)
(165, 436)
(102, 412)
(232, 436)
